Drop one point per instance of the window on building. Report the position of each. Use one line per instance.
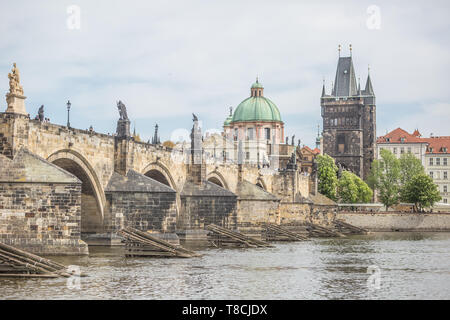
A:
(431, 174)
(438, 161)
(267, 133)
(247, 155)
(431, 161)
(444, 149)
(395, 150)
(402, 150)
(409, 149)
(445, 200)
(402, 139)
(250, 134)
(341, 143)
(444, 160)
(236, 132)
(445, 175)
(444, 188)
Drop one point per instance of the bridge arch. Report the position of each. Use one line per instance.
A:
(217, 178)
(93, 198)
(159, 172)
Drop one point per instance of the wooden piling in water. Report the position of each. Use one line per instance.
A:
(277, 233)
(319, 231)
(347, 228)
(220, 236)
(143, 244)
(15, 262)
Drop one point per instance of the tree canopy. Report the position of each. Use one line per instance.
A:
(402, 179)
(385, 177)
(351, 189)
(420, 190)
(327, 176)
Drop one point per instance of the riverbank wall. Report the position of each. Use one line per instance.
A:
(397, 221)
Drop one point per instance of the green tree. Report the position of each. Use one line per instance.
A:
(347, 188)
(326, 175)
(385, 178)
(351, 189)
(365, 194)
(420, 190)
(410, 166)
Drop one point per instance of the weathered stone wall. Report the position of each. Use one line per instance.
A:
(42, 218)
(13, 133)
(199, 211)
(294, 212)
(391, 221)
(323, 214)
(254, 212)
(143, 211)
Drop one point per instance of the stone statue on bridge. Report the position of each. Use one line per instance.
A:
(14, 81)
(293, 139)
(122, 110)
(41, 113)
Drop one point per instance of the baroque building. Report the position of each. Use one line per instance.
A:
(256, 125)
(433, 152)
(349, 120)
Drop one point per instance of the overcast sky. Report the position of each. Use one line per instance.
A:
(167, 59)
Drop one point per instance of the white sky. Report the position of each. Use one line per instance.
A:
(167, 59)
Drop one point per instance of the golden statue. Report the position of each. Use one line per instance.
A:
(14, 81)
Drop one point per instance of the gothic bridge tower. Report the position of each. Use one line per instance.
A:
(349, 120)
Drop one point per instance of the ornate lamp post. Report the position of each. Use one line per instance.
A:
(68, 112)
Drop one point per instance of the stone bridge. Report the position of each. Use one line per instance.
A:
(111, 181)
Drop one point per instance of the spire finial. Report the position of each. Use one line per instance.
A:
(318, 129)
(257, 79)
(368, 69)
(339, 49)
(350, 50)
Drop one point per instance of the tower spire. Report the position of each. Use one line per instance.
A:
(369, 88)
(323, 88)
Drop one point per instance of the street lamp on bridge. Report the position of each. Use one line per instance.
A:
(68, 112)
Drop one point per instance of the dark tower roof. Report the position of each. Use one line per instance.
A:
(369, 88)
(345, 81)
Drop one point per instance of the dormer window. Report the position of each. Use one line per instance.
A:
(431, 149)
(388, 139)
(402, 139)
(444, 149)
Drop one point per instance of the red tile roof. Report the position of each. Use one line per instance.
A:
(438, 145)
(316, 151)
(399, 136)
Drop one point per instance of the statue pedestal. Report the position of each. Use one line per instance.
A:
(16, 103)
(123, 128)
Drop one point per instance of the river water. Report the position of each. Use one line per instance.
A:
(400, 266)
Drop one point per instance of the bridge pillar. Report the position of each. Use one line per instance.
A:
(123, 156)
(14, 122)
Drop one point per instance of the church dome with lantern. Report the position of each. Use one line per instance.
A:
(255, 118)
(256, 107)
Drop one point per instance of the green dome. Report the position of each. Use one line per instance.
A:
(256, 109)
(257, 85)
